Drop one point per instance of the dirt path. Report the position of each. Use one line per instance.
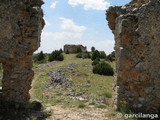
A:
(60, 113)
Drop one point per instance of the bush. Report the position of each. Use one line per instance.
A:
(81, 105)
(60, 57)
(102, 54)
(40, 56)
(103, 69)
(79, 50)
(79, 55)
(109, 58)
(83, 55)
(95, 62)
(55, 55)
(95, 55)
(86, 55)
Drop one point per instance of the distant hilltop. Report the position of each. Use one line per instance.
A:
(74, 48)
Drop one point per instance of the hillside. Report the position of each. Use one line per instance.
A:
(80, 88)
(68, 90)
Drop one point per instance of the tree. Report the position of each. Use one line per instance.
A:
(103, 69)
(79, 50)
(113, 54)
(61, 50)
(55, 55)
(40, 56)
(109, 58)
(102, 54)
(93, 49)
(95, 55)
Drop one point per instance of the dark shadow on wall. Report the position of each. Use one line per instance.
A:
(13, 111)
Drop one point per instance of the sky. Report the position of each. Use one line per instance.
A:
(77, 22)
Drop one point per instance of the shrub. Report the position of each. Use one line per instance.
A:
(83, 55)
(81, 105)
(79, 50)
(60, 57)
(103, 69)
(109, 58)
(95, 62)
(102, 54)
(86, 55)
(102, 106)
(107, 94)
(55, 55)
(40, 56)
(95, 55)
(79, 55)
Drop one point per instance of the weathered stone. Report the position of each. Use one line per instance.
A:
(74, 48)
(140, 66)
(21, 23)
(136, 28)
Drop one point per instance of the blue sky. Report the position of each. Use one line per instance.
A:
(77, 22)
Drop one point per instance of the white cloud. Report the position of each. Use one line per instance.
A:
(90, 4)
(68, 24)
(54, 3)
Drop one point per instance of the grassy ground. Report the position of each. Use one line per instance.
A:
(94, 86)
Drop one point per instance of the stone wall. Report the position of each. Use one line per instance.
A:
(136, 28)
(74, 48)
(21, 23)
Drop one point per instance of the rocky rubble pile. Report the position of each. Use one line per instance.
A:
(58, 78)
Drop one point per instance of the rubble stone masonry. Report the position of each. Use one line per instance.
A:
(21, 22)
(136, 27)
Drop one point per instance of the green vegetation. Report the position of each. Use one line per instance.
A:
(110, 57)
(96, 61)
(81, 105)
(103, 55)
(93, 86)
(39, 58)
(93, 49)
(95, 55)
(55, 56)
(83, 55)
(79, 50)
(103, 69)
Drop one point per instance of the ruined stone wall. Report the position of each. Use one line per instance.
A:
(21, 23)
(74, 48)
(136, 28)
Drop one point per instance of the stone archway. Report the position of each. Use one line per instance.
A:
(21, 22)
(137, 50)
